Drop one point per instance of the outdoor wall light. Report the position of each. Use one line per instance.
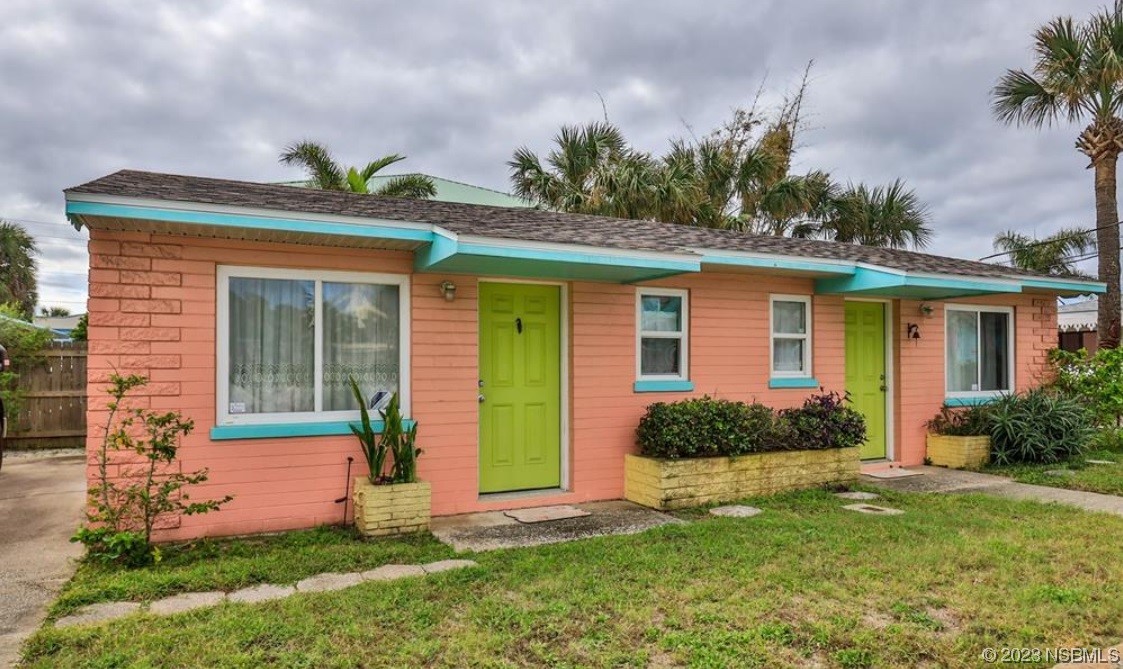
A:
(926, 310)
(448, 289)
(912, 331)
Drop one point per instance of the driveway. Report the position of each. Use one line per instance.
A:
(41, 499)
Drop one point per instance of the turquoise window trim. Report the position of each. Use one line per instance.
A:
(669, 386)
(970, 401)
(282, 430)
(246, 221)
(793, 382)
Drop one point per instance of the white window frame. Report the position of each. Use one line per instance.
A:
(1011, 335)
(773, 336)
(222, 342)
(683, 335)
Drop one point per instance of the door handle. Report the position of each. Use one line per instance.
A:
(480, 398)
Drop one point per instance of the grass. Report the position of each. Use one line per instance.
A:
(804, 583)
(1079, 474)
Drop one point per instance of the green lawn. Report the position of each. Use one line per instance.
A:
(1079, 474)
(805, 583)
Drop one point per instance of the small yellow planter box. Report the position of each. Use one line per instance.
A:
(679, 484)
(401, 508)
(958, 452)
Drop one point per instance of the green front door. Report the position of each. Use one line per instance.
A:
(865, 371)
(520, 387)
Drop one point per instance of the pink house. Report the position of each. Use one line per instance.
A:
(525, 343)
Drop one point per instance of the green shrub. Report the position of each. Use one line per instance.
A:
(395, 440)
(704, 427)
(824, 421)
(1096, 378)
(961, 421)
(1038, 426)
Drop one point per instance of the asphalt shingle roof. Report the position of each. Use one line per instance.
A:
(534, 225)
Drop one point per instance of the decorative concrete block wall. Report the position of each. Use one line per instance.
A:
(958, 452)
(401, 508)
(678, 484)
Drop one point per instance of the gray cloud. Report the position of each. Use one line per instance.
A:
(217, 88)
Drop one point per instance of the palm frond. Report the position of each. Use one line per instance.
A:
(412, 186)
(322, 170)
(376, 166)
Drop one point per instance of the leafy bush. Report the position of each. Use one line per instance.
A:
(1038, 426)
(707, 427)
(704, 427)
(824, 421)
(127, 501)
(24, 343)
(1096, 378)
(961, 422)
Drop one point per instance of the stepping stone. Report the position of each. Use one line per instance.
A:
(390, 572)
(892, 473)
(735, 511)
(874, 510)
(447, 565)
(1100, 462)
(188, 601)
(261, 593)
(96, 613)
(857, 495)
(329, 581)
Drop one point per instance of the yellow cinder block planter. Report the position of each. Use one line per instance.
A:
(958, 452)
(400, 508)
(678, 484)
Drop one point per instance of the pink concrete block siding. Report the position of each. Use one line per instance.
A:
(152, 312)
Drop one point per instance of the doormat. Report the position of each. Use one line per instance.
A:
(545, 513)
(895, 473)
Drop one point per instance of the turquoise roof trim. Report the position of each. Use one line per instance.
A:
(1066, 285)
(373, 230)
(663, 386)
(791, 264)
(870, 281)
(793, 382)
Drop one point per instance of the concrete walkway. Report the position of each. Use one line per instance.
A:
(41, 498)
(939, 479)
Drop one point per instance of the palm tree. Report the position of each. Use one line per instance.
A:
(888, 216)
(1078, 77)
(326, 174)
(1055, 255)
(18, 284)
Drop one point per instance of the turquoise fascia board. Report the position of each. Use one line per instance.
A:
(1081, 287)
(791, 264)
(279, 430)
(793, 382)
(663, 386)
(869, 281)
(579, 257)
(441, 248)
(969, 401)
(373, 231)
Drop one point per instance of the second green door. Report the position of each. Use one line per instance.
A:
(520, 386)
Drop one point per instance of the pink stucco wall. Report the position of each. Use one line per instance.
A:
(152, 312)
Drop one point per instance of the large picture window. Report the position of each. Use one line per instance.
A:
(662, 334)
(791, 336)
(289, 341)
(979, 350)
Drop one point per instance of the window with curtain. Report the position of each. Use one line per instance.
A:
(791, 336)
(662, 334)
(291, 340)
(979, 350)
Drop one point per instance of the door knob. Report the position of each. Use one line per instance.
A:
(480, 398)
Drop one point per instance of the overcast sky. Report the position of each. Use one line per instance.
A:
(899, 89)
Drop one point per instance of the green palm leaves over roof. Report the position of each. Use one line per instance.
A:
(327, 174)
(1056, 254)
(737, 177)
(1077, 77)
(18, 282)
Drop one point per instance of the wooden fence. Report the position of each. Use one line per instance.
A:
(51, 409)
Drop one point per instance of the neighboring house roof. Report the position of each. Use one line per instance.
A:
(58, 322)
(461, 237)
(1078, 316)
(450, 191)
